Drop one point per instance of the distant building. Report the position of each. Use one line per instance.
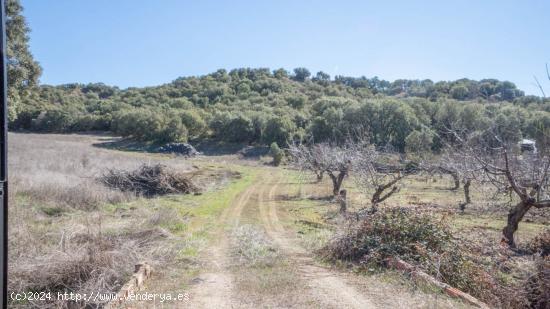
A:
(528, 145)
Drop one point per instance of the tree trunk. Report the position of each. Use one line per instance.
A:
(514, 217)
(337, 182)
(335, 188)
(467, 184)
(456, 181)
(467, 199)
(376, 199)
(319, 175)
(343, 200)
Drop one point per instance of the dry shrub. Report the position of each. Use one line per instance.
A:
(541, 244)
(149, 180)
(99, 265)
(390, 232)
(252, 247)
(538, 285)
(88, 263)
(415, 237)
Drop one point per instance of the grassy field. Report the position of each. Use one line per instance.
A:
(312, 203)
(250, 239)
(69, 231)
(312, 214)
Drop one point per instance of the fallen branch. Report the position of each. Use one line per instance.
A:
(399, 264)
(313, 224)
(142, 272)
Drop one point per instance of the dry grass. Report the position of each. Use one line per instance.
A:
(61, 170)
(251, 247)
(264, 276)
(69, 232)
(478, 228)
(85, 196)
(87, 260)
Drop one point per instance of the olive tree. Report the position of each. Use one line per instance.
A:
(451, 163)
(378, 173)
(525, 175)
(333, 160)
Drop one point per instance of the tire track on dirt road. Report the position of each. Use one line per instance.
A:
(326, 286)
(215, 286)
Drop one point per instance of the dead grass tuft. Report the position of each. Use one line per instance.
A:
(252, 247)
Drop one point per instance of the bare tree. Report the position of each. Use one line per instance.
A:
(452, 163)
(378, 173)
(526, 175)
(306, 159)
(333, 160)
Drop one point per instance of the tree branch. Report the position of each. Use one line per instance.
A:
(542, 204)
(383, 198)
(539, 85)
(521, 193)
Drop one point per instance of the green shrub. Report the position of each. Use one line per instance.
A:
(419, 142)
(147, 125)
(393, 232)
(297, 101)
(259, 106)
(91, 122)
(194, 123)
(276, 153)
(55, 120)
(279, 130)
(24, 119)
(173, 130)
(238, 129)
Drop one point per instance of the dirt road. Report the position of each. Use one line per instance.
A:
(215, 285)
(304, 282)
(216, 288)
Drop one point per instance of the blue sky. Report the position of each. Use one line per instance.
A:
(145, 43)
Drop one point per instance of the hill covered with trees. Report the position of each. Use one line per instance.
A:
(260, 106)
(263, 106)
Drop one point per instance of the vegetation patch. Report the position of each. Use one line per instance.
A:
(86, 262)
(197, 214)
(53, 211)
(252, 247)
(541, 244)
(538, 285)
(421, 239)
(149, 180)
